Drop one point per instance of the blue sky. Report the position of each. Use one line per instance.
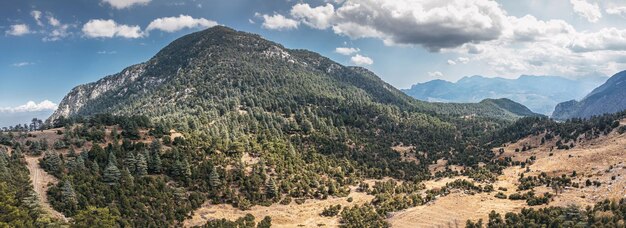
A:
(48, 47)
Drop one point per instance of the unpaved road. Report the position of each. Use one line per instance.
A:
(40, 180)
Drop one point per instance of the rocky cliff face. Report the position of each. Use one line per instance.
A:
(82, 94)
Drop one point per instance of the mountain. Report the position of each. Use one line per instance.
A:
(224, 87)
(539, 93)
(610, 97)
(222, 66)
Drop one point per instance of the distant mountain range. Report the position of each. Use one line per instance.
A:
(539, 93)
(610, 97)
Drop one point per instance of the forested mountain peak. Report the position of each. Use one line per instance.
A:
(221, 65)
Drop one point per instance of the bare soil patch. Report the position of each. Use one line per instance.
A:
(40, 180)
(292, 215)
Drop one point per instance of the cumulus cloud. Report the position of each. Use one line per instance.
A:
(361, 60)
(318, 17)
(173, 24)
(451, 62)
(529, 28)
(18, 30)
(100, 28)
(31, 106)
(278, 22)
(36, 14)
(432, 24)
(589, 11)
(121, 4)
(436, 74)
(346, 50)
(605, 39)
(617, 10)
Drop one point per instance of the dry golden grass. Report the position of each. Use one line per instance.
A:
(292, 215)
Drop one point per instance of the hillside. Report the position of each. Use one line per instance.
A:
(610, 97)
(539, 93)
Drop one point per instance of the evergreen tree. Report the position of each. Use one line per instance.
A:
(271, 189)
(68, 195)
(111, 174)
(80, 163)
(142, 165)
(130, 162)
(214, 178)
(95, 168)
(51, 162)
(154, 159)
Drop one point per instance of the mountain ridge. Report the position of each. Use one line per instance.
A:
(609, 97)
(539, 93)
(172, 61)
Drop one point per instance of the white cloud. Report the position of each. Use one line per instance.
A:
(36, 14)
(53, 21)
(529, 28)
(106, 52)
(99, 28)
(22, 64)
(432, 24)
(18, 30)
(605, 39)
(59, 30)
(278, 22)
(346, 50)
(319, 17)
(121, 4)
(436, 74)
(589, 11)
(173, 24)
(463, 60)
(361, 60)
(251, 21)
(31, 106)
(451, 62)
(617, 10)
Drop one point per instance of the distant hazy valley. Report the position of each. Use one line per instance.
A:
(539, 93)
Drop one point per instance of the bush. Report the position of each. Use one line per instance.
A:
(331, 211)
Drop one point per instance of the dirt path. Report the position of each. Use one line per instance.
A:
(40, 180)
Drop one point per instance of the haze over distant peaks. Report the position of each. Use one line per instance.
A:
(539, 93)
(610, 97)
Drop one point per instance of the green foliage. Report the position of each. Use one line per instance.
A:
(361, 216)
(95, 217)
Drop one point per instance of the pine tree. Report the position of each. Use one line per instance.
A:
(80, 163)
(112, 158)
(214, 178)
(142, 165)
(17, 153)
(68, 195)
(154, 160)
(111, 174)
(127, 178)
(270, 188)
(95, 168)
(51, 162)
(130, 161)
